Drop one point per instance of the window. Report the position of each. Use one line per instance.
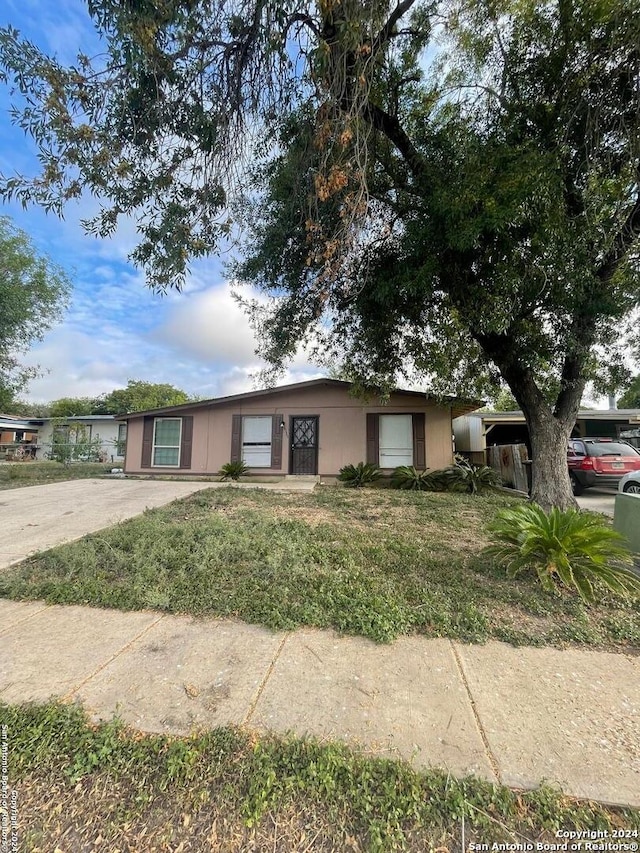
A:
(256, 441)
(396, 440)
(121, 444)
(166, 442)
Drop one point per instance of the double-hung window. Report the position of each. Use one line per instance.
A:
(121, 443)
(256, 441)
(396, 441)
(167, 433)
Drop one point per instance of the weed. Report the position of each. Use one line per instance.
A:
(258, 792)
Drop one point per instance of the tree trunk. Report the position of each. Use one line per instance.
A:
(550, 476)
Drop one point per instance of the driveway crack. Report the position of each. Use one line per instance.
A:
(113, 657)
(485, 740)
(263, 683)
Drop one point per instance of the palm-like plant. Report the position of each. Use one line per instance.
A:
(359, 475)
(408, 477)
(464, 476)
(233, 470)
(563, 545)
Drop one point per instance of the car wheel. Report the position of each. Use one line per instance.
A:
(633, 488)
(576, 486)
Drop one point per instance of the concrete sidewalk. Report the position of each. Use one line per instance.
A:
(515, 716)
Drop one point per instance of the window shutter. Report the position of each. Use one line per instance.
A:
(419, 450)
(236, 432)
(373, 439)
(186, 442)
(147, 442)
(276, 442)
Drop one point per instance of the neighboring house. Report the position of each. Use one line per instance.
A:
(310, 428)
(16, 432)
(86, 437)
(475, 432)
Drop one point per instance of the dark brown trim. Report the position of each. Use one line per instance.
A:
(419, 445)
(236, 437)
(147, 442)
(276, 442)
(186, 441)
(373, 438)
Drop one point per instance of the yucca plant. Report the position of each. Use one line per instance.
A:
(563, 545)
(408, 477)
(233, 470)
(357, 476)
(464, 476)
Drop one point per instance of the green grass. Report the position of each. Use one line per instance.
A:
(376, 563)
(232, 790)
(16, 474)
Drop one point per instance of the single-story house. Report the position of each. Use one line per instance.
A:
(475, 432)
(100, 437)
(308, 428)
(87, 437)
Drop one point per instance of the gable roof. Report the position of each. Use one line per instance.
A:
(459, 406)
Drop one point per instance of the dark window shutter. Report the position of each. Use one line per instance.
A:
(147, 442)
(276, 442)
(236, 432)
(419, 452)
(373, 439)
(186, 441)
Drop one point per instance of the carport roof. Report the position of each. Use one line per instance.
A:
(517, 417)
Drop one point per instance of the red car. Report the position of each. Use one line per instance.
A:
(600, 462)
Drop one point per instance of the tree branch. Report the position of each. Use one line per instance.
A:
(623, 241)
(393, 130)
(387, 30)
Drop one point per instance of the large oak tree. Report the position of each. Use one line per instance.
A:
(479, 218)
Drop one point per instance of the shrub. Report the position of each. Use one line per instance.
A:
(408, 477)
(359, 475)
(563, 545)
(464, 476)
(233, 470)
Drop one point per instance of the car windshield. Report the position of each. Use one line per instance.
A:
(611, 448)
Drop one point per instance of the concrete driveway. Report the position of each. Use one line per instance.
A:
(598, 500)
(35, 518)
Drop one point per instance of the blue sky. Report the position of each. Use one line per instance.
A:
(116, 328)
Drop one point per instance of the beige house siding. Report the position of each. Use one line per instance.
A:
(341, 429)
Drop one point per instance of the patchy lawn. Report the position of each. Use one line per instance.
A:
(373, 562)
(84, 787)
(16, 474)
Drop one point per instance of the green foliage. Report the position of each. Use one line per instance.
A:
(449, 221)
(34, 293)
(248, 784)
(464, 476)
(376, 563)
(67, 407)
(357, 476)
(567, 546)
(139, 396)
(234, 470)
(504, 401)
(18, 474)
(631, 397)
(70, 442)
(408, 477)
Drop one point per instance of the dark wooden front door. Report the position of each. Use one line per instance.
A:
(304, 445)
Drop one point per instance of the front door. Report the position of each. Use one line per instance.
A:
(304, 445)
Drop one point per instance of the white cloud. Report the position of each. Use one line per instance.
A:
(211, 326)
